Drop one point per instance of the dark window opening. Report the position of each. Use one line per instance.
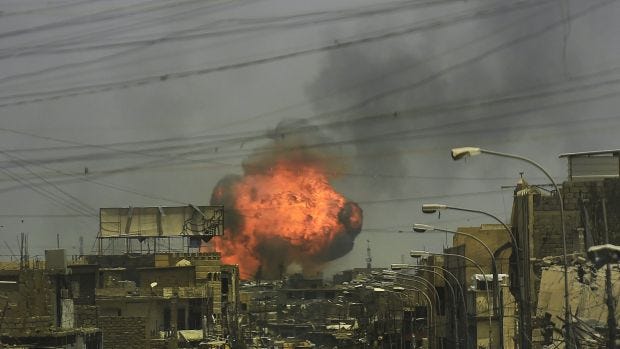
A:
(441, 309)
(166, 319)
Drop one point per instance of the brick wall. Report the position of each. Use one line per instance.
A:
(547, 228)
(85, 316)
(26, 326)
(548, 233)
(30, 309)
(123, 332)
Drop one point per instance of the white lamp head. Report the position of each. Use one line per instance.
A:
(418, 254)
(432, 208)
(422, 228)
(459, 153)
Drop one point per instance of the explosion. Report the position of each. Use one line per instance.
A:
(284, 213)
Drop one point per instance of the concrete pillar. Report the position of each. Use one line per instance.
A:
(187, 316)
(174, 313)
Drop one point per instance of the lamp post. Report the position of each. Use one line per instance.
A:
(455, 323)
(456, 281)
(489, 298)
(432, 208)
(431, 316)
(461, 289)
(606, 255)
(421, 228)
(429, 285)
(459, 153)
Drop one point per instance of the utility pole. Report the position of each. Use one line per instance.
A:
(611, 306)
(23, 251)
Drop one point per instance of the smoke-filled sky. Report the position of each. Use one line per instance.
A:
(151, 103)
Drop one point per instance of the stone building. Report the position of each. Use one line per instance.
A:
(591, 202)
(37, 309)
(122, 301)
(164, 297)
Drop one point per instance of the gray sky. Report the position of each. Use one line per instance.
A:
(161, 99)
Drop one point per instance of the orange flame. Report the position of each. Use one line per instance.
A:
(283, 214)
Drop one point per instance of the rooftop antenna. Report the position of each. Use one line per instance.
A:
(369, 256)
(81, 245)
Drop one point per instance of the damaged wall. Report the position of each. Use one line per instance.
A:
(30, 310)
(584, 215)
(587, 295)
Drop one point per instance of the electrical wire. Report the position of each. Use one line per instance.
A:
(49, 195)
(243, 25)
(32, 97)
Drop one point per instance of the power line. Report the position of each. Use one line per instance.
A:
(485, 53)
(255, 135)
(575, 86)
(95, 17)
(32, 97)
(45, 8)
(246, 25)
(392, 153)
(46, 193)
(6, 53)
(384, 136)
(86, 179)
(84, 206)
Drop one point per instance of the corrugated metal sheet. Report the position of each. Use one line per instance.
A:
(593, 167)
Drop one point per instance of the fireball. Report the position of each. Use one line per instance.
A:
(284, 212)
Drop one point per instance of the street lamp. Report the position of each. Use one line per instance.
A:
(460, 288)
(422, 228)
(418, 254)
(432, 208)
(599, 256)
(431, 316)
(449, 273)
(459, 153)
(455, 323)
(429, 285)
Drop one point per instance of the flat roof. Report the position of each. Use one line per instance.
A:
(595, 152)
(167, 267)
